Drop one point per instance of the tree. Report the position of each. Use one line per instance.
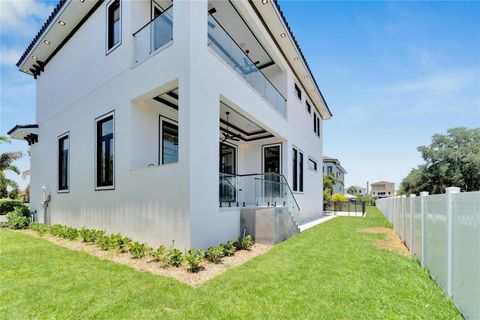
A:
(339, 198)
(352, 190)
(452, 159)
(8, 188)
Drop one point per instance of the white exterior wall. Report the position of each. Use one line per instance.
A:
(159, 204)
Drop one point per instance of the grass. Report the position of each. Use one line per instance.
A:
(328, 272)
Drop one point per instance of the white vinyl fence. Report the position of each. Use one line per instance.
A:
(443, 232)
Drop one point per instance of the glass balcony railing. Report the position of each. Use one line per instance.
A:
(257, 190)
(154, 35)
(221, 42)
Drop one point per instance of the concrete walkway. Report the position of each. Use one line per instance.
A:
(312, 223)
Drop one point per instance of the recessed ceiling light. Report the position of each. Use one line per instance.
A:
(82, 0)
(283, 35)
(295, 59)
(305, 76)
(61, 23)
(264, 1)
(34, 57)
(24, 70)
(46, 41)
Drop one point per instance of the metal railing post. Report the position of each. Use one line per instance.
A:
(423, 196)
(450, 191)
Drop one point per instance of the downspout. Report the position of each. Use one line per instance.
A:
(46, 201)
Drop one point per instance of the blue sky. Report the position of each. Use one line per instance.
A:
(393, 74)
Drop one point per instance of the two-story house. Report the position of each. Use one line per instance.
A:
(163, 120)
(332, 166)
(382, 189)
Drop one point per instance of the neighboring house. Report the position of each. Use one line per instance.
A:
(382, 189)
(333, 166)
(161, 120)
(360, 190)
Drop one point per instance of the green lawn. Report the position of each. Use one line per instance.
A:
(328, 272)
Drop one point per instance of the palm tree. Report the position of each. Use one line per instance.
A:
(6, 160)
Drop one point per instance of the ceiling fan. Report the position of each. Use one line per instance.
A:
(227, 135)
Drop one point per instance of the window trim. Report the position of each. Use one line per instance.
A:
(67, 190)
(115, 46)
(300, 172)
(98, 119)
(310, 159)
(308, 106)
(160, 139)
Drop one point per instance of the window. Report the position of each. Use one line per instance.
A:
(105, 152)
(315, 122)
(318, 126)
(297, 170)
(63, 161)
(312, 164)
(298, 92)
(329, 169)
(309, 108)
(168, 141)
(113, 25)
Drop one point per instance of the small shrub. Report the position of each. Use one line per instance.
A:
(194, 260)
(176, 257)
(245, 243)
(56, 230)
(163, 255)
(98, 234)
(69, 233)
(104, 242)
(40, 228)
(8, 205)
(119, 242)
(17, 221)
(87, 235)
(137, 250)
(229, 249)
(215, 255)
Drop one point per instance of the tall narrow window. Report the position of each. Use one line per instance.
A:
(318, 126)
(113, 24)
(63, 160)
(298, 92)
(105, 152)
(169, 142)
(315, 123)
(297, 183)
(309, 108)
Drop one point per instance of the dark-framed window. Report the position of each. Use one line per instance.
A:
(297, 181)
(312, 164)
(168, 141)
(315, 123)
(318, 126)
(63, 162)
(298, 91)
(105, 151)
(309, 108)
(114, 25)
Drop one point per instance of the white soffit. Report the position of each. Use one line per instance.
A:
(71, 14)
(274, 21)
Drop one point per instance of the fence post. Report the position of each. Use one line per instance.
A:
(411, 221)
(450, 191)
(402, 202)
(423, 196)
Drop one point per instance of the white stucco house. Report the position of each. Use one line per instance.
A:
(163, 120)
(333, 166)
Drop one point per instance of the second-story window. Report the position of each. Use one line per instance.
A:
(105, 152)
(318, 126)
(315, 123)
(298, 92)
(113, 25)
(63, 162)
(309, 108)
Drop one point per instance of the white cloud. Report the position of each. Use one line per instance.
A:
(9, 56)
(16, 16)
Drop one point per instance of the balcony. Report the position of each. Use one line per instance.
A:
(225, 47)
(153, 36)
